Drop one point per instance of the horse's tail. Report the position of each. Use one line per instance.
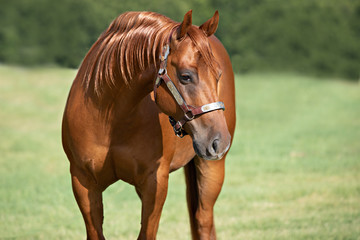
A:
(192, 193)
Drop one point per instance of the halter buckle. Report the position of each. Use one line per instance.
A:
(189, 116)
(162, 71)
(165, 53)
(180, 132)
(177, 126)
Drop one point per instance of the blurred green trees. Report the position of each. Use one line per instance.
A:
(316, 36)
(311, 36)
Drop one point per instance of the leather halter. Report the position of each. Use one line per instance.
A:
(190, 112)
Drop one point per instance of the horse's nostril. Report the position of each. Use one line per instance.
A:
(215, 145)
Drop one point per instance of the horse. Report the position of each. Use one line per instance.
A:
(149, 98)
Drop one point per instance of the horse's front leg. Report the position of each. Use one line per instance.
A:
(204, 180)
(89, 198)
(153, 193)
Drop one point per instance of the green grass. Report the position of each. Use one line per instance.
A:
(292, 173)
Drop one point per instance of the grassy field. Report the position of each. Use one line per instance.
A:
(292, 173)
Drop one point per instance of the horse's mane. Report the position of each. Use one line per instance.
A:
(132, 42)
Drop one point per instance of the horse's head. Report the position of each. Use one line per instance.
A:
(190, 93)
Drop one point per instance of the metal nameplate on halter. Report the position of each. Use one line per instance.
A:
(175, 93)
(213, 106)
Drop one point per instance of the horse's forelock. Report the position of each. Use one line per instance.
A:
(201, 43)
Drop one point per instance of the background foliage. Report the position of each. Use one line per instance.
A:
(311, 36)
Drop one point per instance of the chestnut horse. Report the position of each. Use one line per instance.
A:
(144, 68)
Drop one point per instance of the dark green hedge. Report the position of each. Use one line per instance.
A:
(311, 36)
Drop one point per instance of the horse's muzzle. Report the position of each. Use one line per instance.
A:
(214, 149)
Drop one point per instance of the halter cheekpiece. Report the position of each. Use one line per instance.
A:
(190, 112)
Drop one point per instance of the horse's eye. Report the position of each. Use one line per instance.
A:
(185, 78)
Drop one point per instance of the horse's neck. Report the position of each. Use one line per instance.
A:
(141, 86)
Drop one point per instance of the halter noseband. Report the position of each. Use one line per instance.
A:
(190, 112)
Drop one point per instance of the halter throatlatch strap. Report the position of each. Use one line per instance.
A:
(190, 112)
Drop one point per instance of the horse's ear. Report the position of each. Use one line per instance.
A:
(210, 26)
(185, 25)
